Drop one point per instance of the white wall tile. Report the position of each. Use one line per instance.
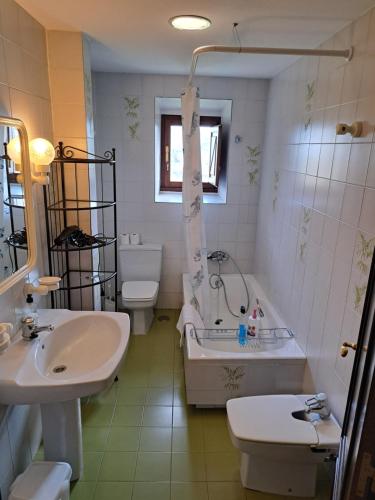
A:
(319, 266)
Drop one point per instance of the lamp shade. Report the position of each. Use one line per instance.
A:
(14, 150)
(41, 151)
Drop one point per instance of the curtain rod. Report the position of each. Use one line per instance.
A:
(347, 53)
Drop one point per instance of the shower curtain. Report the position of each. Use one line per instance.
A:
(192, 195)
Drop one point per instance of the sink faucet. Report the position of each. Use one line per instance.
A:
(318, 404)
(30, 330)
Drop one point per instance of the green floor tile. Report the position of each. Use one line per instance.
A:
(214, 416)
(151, 491)
(161, 378)
(223, 466)
(156, 439)
(226, 491)
(217, 439)
(134, 378)
(131, 395)
(91, 465)
(95, 438)
(157, 416)
(123, 439)
(159, 397)
(108, 396)
(98, 415)
(153, 467)
(118, 466)
(188, 438)
(178, 378)
(113, 491)
(186, 415)
(179, 396)
(188, 467)
(82, 490)
(189, 491)
(130, 416)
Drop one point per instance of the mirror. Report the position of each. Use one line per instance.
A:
(17, 225)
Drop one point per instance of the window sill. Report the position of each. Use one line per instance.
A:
(172, 197)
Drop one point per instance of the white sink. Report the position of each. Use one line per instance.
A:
(80, 357)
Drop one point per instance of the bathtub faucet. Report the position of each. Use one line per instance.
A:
(218, 256)
(318, 404)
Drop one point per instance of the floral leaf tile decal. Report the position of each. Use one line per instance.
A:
(309, 95)
(253, 154)
(132, 114)
(359, 293)
(232, 377)
(253, 174)
(364, 251)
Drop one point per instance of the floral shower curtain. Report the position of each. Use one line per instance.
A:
(192, 195)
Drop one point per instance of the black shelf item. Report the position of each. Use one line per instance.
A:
(82, 192)
(106, 241)
(13, 201)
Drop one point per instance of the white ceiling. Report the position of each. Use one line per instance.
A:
(135, 37)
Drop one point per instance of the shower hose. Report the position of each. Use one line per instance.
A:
(216, 281)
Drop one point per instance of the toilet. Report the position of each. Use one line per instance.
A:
(280, 452)
(140, 267)
(42, 481)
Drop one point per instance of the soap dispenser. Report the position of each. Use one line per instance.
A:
(30, 309)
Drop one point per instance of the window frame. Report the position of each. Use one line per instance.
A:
(167, 121)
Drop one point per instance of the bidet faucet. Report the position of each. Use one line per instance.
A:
(318, 404)
(30, 330)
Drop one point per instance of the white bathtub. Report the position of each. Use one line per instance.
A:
(217, 368)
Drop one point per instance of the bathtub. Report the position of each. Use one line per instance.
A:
(217, 368)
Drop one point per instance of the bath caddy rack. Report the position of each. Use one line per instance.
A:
(265, 335)
(81, 228)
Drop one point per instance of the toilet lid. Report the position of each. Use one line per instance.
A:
(268, 419)
(139, 290)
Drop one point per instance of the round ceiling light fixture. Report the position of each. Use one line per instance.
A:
(190, 22)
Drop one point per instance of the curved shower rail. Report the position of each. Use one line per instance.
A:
(345, 53)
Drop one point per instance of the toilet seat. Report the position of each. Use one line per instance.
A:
(135, 291)
(268, 419)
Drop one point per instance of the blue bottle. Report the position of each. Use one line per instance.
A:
(242, 327)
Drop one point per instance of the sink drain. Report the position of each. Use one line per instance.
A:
(59, 369)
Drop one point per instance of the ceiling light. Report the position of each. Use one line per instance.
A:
(190, 22)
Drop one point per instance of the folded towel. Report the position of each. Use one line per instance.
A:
(188, 315)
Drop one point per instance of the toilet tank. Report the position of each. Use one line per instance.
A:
(140, 262)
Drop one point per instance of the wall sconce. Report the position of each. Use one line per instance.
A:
(42, 154)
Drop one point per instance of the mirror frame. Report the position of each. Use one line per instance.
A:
(29, 205)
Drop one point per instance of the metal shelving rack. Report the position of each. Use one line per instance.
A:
(82, 192)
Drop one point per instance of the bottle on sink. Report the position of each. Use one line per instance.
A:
(242, 327)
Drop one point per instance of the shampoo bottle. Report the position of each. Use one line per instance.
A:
(253, 324)
(242, 327)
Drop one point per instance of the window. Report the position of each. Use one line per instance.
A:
(171, 157)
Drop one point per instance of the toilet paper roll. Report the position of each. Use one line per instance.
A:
(135, 239)
(125, 239)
